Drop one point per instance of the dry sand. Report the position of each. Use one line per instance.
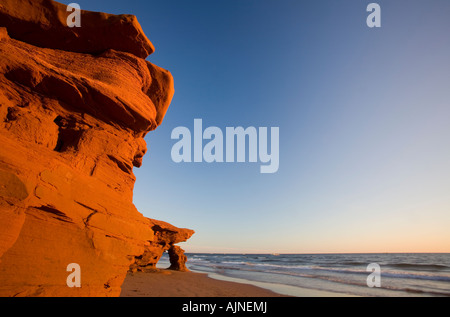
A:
(186, 284)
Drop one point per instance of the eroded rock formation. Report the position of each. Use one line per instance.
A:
(75, 105)
(166, 236)
(177, 259)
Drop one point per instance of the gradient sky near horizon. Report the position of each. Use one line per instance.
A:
(364, 118)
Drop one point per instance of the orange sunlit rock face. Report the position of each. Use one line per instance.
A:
(166, 236)
(73, 114)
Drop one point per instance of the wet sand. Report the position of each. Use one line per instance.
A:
(168, 283)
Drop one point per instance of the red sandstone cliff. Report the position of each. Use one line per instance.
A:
(75, 104)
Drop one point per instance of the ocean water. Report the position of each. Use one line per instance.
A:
(414, 274)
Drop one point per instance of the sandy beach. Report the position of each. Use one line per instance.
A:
(166, 283)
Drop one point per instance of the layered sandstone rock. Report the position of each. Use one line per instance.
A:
(43, 23)
(177, 259)
(75, 105)
(166, 236)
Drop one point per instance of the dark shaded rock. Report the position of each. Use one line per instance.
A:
(177, 259)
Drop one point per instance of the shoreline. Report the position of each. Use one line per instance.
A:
(168, 283)
(282, 289)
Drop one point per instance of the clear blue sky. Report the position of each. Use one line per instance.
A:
(363, 116)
